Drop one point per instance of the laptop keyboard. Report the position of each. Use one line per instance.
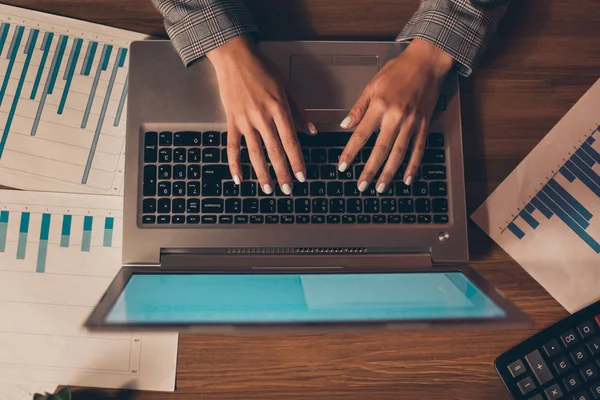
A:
(186, 180)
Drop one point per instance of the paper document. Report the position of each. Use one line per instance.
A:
(63, 90)
(58, 254)
(546, 214)
(24, 391)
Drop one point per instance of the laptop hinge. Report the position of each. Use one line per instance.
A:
(294, 261)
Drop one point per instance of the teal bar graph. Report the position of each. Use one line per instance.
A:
(109, 223)
(122, 56)
(65, 235)
(107, 58)
(69, 71)
(12, 55)
(46, 43)
(23, 230)
(3, 33)
(43, 246)
(60, 52)
(121, 102)
(89, 58)
(87, 233)
(3, 229)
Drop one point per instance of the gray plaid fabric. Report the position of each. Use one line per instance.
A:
(462, 28)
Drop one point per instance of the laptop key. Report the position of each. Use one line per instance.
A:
(193, 188)
(302, 219)
(211, 139)
(248, 189)
(192, 219)
(226, 219)
(440, 219)
(433, 156)
(230, 189)
(379, 219)
(358, 170)
(406, 206)
(272, 219)
(215, 172)
(287, 219)
(319, 206)
(149, 183)
(333, 155)
(179, 171)
(224, 138)
(388, 206)
(318, 156)
(402, 189)
(212, 206)
(354, 206)
(350, 189)
(318, 219)
(371, 206)
(164, 219)
(348, 219)
(164, 171)
(424, 219)
(393, 219)
(438, 189)
(149, 219)
(364, 219)
(250, 206)
(371, 191)
(246, 171)
(164, 206)
(233, 206)
(193, 206)
(335, 189)
(302, 206)
(433, 172)
(209, 219)
(257, 219)
(346, 175)
(178, 206)
(409, 219)
(150, 147)
(179, 155)
(178, 219)
(193, 172)
(435, 139)
(333, 219)
(165, 155)
(187, 138)
(211, 187)
(149, 206)
(179, 188)
(211, 155)
(423, 205)
(306, 155)
(245, 155)
(240, 219)
(328, 172)
(165, 138)
(439, 205)
(300, 189)
(337, 206)
(312, 172)
(388, 192)
(268, 206)
(193, 155)
(317, 189)
(420, 189)
(285, 206)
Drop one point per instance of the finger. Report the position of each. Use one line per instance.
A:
(258, 160)
(417, 153)
(397, 154)
(358, 110)
(233, 153)
(359, 138)
(299, 115)
(291, 145)
(276, 156)
(381, 150)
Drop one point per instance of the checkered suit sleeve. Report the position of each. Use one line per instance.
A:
(462, 28)
(198, 26)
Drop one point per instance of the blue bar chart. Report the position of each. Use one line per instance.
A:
(49, 233)
(63, 93)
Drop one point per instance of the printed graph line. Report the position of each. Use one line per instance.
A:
(555, 199)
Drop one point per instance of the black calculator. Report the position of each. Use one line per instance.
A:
(560, 362)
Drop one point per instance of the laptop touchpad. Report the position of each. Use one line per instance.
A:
(331, 82)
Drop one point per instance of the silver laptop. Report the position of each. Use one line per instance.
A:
(201, 253)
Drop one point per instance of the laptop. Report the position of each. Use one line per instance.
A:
(203, 254)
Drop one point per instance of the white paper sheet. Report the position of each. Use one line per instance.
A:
(62, 105)
(24, 391)
(58, 254)
(546, 214)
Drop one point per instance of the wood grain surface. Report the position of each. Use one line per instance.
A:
(545, 56)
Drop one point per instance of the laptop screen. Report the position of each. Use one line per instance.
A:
(288, 298)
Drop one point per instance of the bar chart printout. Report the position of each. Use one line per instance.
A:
(546, 214)
(63, 91)
(58, 254)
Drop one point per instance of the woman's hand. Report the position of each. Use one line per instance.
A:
(257, 104)
(399, 102)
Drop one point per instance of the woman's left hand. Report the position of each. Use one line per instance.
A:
(399, 102)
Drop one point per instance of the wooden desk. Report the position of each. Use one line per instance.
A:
(546, 55)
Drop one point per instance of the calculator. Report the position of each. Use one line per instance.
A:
(560, 362)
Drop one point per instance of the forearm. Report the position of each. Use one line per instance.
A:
(461, 28)
(196, 27)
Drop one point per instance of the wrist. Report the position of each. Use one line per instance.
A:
(233, 51)
(431, 57)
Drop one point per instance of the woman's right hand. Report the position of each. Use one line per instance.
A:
(258, 105)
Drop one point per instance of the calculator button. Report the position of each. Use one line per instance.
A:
(539, 367)
(572, 382)
(586, 329)
(582, 396)
(579, 356)
(554, 392)
(562, 365)
(526, 385)
(552, 348)
(516, 368)
(569, 338)
(589, 373)
(594, 346)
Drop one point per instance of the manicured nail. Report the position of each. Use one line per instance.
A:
(287, 188)
(363, 186)
(343, 166)
(346, 122)
(408, 180)
(312, 129)
(300, 176)
(267, 189)
(237, 179)
(381, 188)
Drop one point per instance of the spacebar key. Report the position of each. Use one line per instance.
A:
(539, 367)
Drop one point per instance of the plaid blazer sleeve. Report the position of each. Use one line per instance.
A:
(462, 28)
(199, 26)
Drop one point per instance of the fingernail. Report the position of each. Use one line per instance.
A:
(363, 186)
(267, 189)
(381, 188)
(237, 179)
(408, 180)
(346, 122)
(287, 189)
(312, 129)
(343, 166)
(300, 176)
